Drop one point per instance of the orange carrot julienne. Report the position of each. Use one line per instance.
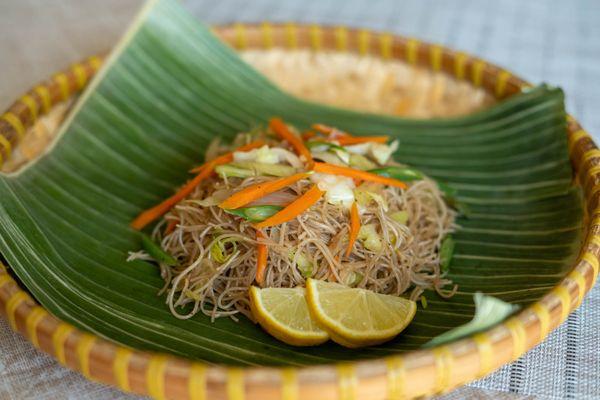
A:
(262, 253)
(204, 171)
(349, 140)
(354, 227)
(326, 129)
(332, 169)
(345, 138)
(171, 226)
(308, 135)
(259, 190)
(281, 130)
(294, 209)
(155, 212)
(228, 157)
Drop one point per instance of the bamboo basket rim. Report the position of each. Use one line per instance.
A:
(411, 374)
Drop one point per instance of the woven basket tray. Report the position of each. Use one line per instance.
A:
(463, 79)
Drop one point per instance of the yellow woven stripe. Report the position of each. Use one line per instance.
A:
(94, 62)
(385, 42)
(11, 307)
(579, 279)
(58, 341)
(517, 332)
(575, 137)
(197, 382)
(4, 279)
(121, 367)
(341, 38)
(395, 378)
(31, 105)
(267, 34)
(80, 75)
(501, 81)
(32, 322)
(44, 94)
(316, 37)
(291, 35)
(589, 175)
(364, 38)
(477, 72)
(484, 347)
(588, 155)
(63, 83)
(543, 315)
(84, 346)
(565, 301)
(346, 382)
(155, 377)
(412, 50)
(594, 191)
(15, 122)
(460, 61)
(235, 384)
(240, 36)
(289, 384)
(435, 55)
(592, 260)
(443, 366)
(4, 143)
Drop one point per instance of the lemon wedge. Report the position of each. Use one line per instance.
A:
(284, 314)
(357, 317)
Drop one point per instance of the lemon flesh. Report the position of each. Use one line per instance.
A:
(357, 317)
(283, 312)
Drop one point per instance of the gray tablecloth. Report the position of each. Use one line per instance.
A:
(552, 41)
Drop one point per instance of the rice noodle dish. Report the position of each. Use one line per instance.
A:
(276, 207)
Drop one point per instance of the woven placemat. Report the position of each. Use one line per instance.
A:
(553, 41)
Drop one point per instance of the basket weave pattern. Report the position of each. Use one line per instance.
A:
(412, 374)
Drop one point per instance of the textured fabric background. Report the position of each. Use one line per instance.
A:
(552, 41)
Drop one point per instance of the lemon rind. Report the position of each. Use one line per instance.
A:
(349, 337)
(279, 330)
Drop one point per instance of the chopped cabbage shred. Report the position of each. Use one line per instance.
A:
(338, 189)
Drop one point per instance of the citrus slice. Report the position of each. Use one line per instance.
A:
(283, 313)
(357, 317)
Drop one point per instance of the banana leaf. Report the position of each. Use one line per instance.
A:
(167, 89)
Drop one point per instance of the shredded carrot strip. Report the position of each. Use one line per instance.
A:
(259, 190)
(204, 171)
(348, 140)
(326, 129)
(294, 209)
(354, 227)
(308, 135)
(345, 138)
(279, 127)
(262, 253)
(357, 174)
(153, 213)
(171, 226)
(228, 157)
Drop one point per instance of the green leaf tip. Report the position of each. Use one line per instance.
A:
(489, 311)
